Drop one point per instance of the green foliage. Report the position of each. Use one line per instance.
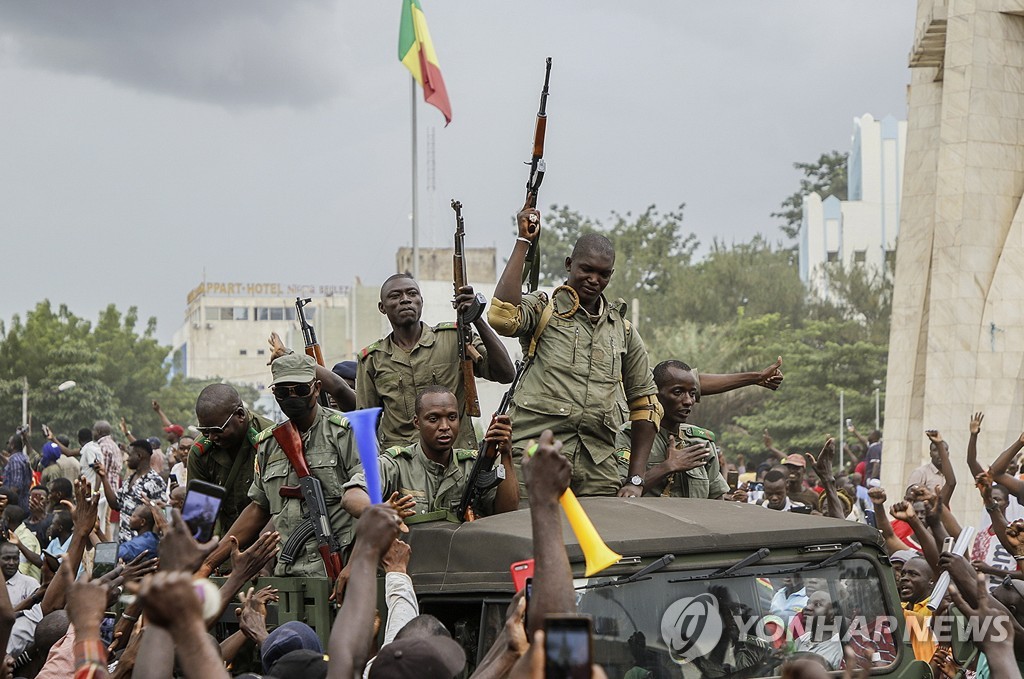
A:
(826, 177)
(118, 373)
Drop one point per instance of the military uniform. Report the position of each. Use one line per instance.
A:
(390, 377)
(585, 372)
(214, 464)
(331, 454)
(705, 481)
(437, 489)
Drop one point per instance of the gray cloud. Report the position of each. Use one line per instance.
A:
(236, 53)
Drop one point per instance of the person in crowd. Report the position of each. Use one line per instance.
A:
(84, 436)
(225, 453)
(143, 485)
(158, 461)
(331, 382)
(179, 470)
(18, 534)
(48, 462)
(19, 585)
(776, 492)
(174, 431)
(822, 635)
(39, 515)
(331, 453)
(677, 467)
(433, 471)
(18, 472)
(789, 599)
(796, 486)
(930, 475)
(915, 585)
(394, 369)
(585, 356)
(145, 539)
(60, 533)
(346, 370)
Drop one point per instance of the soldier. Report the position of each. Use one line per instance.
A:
(434, 473)
(394, 369)
(330, 451)
(678, 468)
(225, 453)
(587, 353)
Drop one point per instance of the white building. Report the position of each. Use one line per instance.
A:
(226, 325)
(863, 229)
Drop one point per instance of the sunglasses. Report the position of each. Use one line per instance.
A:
(282, 391)
(206, 431)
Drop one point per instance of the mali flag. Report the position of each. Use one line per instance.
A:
(416, 51)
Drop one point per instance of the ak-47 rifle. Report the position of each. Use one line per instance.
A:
(531, 267)
(309, 337)
(316, 521)
(468, 355)
(484, 474)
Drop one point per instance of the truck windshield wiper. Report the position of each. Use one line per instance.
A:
(640, 574)
(729, 571)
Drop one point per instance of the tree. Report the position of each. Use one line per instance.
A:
(863, 294)
(826, 177)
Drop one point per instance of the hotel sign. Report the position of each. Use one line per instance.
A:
(214, 289)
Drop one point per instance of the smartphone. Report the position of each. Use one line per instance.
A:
(947, 544)
(733, 479)
(567, 647)
(849, 424)
(201, 508)
(528, 586)
(806, 509)
(106, 559)
(52, 562)
(46, 431)
(521, 571)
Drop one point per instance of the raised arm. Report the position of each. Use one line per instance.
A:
(159, 411)
(351, 634)
(499, 366)
(548, 473)
(945, 466)
(769, 378)
(999, 467)
(823, 468)
(510, 285)
(972, 445)
(769, 445)
(905, 512)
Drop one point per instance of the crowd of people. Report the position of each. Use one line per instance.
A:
(97, 526)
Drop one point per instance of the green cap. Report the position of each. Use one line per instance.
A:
(298, 368)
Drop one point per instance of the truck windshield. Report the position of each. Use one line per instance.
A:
(746, 625)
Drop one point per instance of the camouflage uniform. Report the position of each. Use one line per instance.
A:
(330, 451)
(390, 378)
(585, 372)
(212, 463)
(436, 488)
(702, 482)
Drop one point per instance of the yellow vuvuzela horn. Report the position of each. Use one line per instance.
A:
(598, 555)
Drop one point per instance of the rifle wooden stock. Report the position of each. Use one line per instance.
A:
(468, 355)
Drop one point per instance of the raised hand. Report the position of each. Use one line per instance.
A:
(250, 562)
(277, 347)
(179, 550)
(528, 220)
(976, 420)
(903, 511)
(684, 459)
(397, 558)
(934, 436)
(1015, 537)
(405, 506)
(169, 599)
(771, 377)
(547, 471)
(984, 483)
(823, 464)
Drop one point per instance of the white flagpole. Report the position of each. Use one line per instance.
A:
(415, 166)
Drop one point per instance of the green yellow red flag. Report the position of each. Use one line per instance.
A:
(416, 51)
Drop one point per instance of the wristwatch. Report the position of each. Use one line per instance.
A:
(635, 480)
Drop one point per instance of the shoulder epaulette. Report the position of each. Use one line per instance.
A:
(447, 325)
(201, 446)
(265, 434)
(339, 419)
(370, 349)
(395, 451)
(695, 432)
(464, 454)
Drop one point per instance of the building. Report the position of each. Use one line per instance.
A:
(227, 324)
(861, 230)
(957, 339)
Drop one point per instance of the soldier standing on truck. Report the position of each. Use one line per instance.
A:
(586, 355)
(394, 369)
(330, 452)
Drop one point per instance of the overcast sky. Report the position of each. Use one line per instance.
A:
(142, 143)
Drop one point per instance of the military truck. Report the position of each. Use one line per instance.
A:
(704, 588)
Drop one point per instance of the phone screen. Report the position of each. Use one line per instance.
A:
(202, 505)
(106, 559)
(51, 561)
(528, 586)
(733, 479)
(567, 647)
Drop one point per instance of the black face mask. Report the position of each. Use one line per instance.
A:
(295, 406)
